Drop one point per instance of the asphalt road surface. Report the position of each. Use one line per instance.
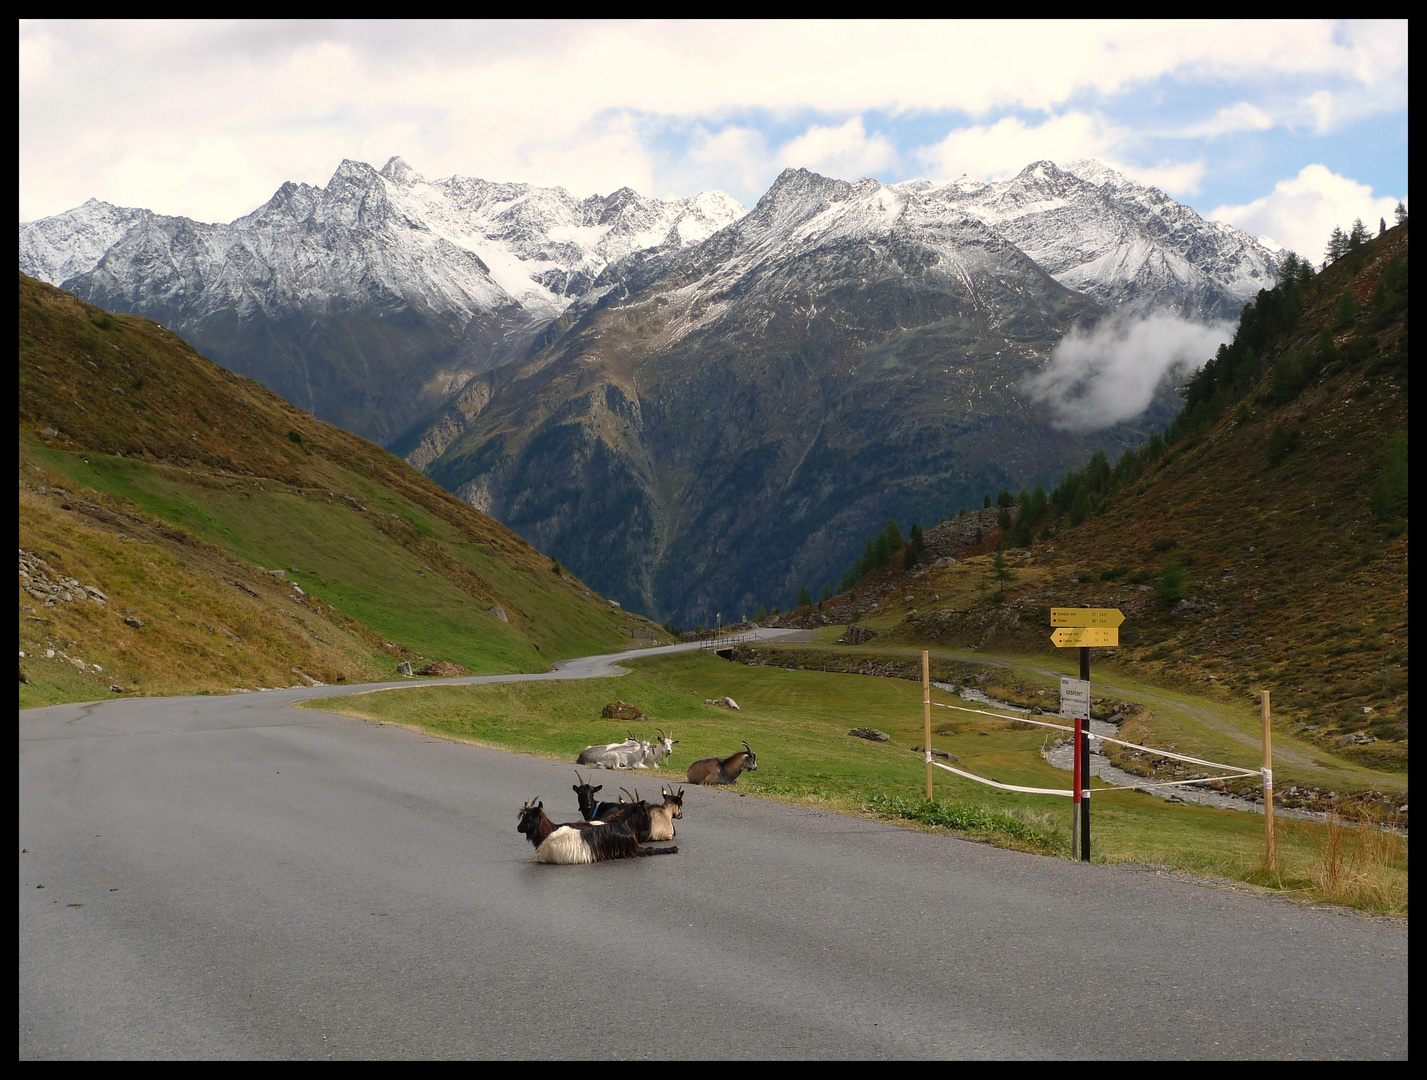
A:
(231, 877)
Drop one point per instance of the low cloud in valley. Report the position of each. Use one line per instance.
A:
(1109, 373)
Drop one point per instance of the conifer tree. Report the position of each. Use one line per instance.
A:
(1337, 246)
(1400, 213)
(1358, 237)
(1381, 225)
(804, 600)
(1001, 574)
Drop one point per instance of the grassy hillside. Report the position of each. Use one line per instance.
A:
(246, 538)
(1262, 546)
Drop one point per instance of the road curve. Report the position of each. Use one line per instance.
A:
(230, 877)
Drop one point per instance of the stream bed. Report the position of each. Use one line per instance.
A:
(1061, 755)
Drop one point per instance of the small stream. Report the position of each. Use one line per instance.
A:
(1061, 755)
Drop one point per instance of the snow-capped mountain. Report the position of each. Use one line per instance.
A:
(367, 300)
(55, 249)
(1124, 243)
(717, 421)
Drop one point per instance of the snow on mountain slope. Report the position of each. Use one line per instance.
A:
(368, 300)
(55, 249)
(1124, 243)
(456, 246)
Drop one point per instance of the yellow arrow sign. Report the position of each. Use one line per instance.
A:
(1085, 616)
(1068, 637)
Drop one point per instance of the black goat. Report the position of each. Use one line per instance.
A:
(590, 807)
(725, 771)
(587, 841)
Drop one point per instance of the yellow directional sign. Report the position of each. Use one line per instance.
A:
(1068, 637)
(1085, 616)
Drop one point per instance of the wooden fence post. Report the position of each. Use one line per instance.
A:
(1267, 783)
(927, 709)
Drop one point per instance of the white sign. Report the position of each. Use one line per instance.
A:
(1074, 698)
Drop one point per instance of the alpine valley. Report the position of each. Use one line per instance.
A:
(693, 407)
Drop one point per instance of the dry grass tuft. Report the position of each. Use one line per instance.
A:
(1361, 865)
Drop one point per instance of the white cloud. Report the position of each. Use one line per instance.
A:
(739, 155)
(1102, 376)
(599, 158)
(1002, 149)
(1240, 116)
(846, 151)
(1302, 211)
(493, 99)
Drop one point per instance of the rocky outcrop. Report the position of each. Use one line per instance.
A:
(954, 536)
(443, 669)
(50, 587)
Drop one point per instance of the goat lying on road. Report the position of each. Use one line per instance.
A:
(590, 807)
(578, 842)
(661, 818)
(715, 771)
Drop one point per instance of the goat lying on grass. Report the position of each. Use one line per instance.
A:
(630, 754)
(633, 753)
(578, 842)
(715, 771)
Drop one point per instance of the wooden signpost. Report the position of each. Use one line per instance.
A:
(1083, 629)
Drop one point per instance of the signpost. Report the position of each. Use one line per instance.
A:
(1083, 629)
(1086, 616)
(1099, 637)
(1074, 698)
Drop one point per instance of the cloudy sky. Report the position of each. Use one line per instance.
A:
(1285, 129)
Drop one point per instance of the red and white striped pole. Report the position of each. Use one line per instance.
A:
(1075, 796)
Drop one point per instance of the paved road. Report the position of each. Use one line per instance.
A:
(233, 877)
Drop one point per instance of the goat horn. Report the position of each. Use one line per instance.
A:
(661, 733)
(746, 746)
(580, 778)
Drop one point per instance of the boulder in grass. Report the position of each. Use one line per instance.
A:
(870, 733)
(443, 669)
(404, 668)
(623, 710)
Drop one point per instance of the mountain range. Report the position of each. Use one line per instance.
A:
(692, 407)
(366, 301)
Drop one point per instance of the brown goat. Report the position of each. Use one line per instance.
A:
(661, 818)
(723, 771)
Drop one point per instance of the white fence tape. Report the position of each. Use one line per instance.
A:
(1106, 788)
(1005, 787)
(1236, 769)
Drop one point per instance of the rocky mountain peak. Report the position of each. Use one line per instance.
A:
(399, 172)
